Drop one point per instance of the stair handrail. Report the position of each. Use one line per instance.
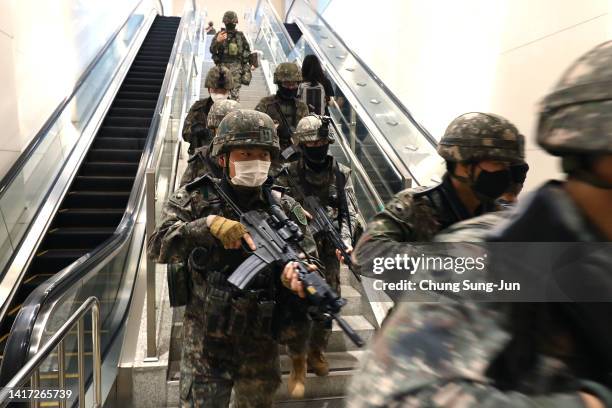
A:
(31, 370)
(39, 303)
(277, 19)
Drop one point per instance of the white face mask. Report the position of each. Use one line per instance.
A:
(218, 96)
(250, 173)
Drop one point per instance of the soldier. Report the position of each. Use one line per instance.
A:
(229, 338)
(230, 49)
(284, 107)
(479, 149)
(521, 354)
(202, 162)
(319, 174)
(219, 83)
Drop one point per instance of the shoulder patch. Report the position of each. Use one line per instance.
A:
(299, 213)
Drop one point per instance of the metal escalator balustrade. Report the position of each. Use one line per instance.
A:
(97, 198)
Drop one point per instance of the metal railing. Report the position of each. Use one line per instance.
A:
(31, 370)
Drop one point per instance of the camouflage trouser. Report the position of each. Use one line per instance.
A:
(236, 70)
(321, 330)
(210, 368)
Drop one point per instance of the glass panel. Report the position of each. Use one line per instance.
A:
(22, 199)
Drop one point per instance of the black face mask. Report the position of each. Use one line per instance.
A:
(491, 184)
(230, 26)
(316, 157)
(286, 93)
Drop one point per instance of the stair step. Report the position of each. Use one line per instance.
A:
(103, 183)
(134, 103)
(338, 340)
(109, 169)
(50, 261)
(141, 96)
(132, 112)
(123, 131)
(114, 155)
(119, 143)
(129, 121)
(76, 238)
(96, 199)
(88, 217)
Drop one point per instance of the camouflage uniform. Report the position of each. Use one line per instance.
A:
(461, 353)
(233, 53)
(303, 181)
(201, 162)
(194, 128)
(214, 362)
(276, 107)
(416, 215)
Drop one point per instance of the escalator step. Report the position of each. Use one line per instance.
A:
(144, 81)
(76, 238)
(96, 199)
(123, 131)
(88, 217)
(143, 96)
(134, 103)
(133, 112)
(155, 54)
(119, 143)
(144, 75)
(103, 183)
(141, 67)
(108, 169)
(36, 278)
(114, 155)
(127, 121)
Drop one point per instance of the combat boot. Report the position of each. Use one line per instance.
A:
(318, 363)
(297, 377)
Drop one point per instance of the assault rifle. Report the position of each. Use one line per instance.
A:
(277, 239)
(321, 223)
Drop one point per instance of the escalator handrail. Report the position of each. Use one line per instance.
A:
(54, 288)
(379, 82)
(23, 158)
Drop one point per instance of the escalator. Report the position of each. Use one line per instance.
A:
(96, 201)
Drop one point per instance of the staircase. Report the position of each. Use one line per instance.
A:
(342, 354)
(257, 89)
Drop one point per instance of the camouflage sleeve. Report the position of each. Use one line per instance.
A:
(301, 111)
(216, 48)
(246, 52)
(187, 125)
(261, 107)
(436, 355)
(178, 231)
(387, 233)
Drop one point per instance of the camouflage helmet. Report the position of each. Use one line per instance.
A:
(219, 110)
(230, 17)
(311, 128)
(287, 72)
(246, 127)
(219, 78)
(481, 136)
(576, 118)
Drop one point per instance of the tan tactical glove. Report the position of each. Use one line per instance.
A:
(227, 231)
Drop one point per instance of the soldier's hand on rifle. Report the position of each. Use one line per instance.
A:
(349, 250)
(290, 278)
(221, 37)
(229, 232)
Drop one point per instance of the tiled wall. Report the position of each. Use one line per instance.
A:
(446, 57)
